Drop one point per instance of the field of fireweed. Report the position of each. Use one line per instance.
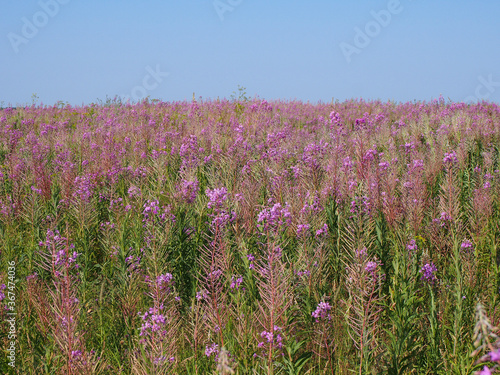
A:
(250, 237)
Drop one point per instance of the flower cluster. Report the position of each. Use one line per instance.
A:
(443, 219)
(236, 281)
(314, 207)
(272, 339)
(60, 248)
(152, 210)
(428, 273)
(450, 158)
(165, 282)
(412, 245)
(201, 295)
(251, 259)
(2, 294)
(134, 192)
(133, 263)
(466, 245)
(84, 188)
(303, 273)
(153, 321)
(212, 349)
(371, 267)
(303, 230)
(322, 311)
(275, 218)
(323, 231)
(189, 190)
(335, 118)
(216, 197)
(220, 216)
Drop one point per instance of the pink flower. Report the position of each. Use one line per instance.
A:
(495, 355)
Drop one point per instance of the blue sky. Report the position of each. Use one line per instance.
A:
(81, 51)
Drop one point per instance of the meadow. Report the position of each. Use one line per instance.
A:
(250, 237)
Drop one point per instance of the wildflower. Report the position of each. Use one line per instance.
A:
(189, 190)
(296, 171)
(323, 231)
(153, 321)
(215, 274)
(418, 164)
(362, 253)
(84, 188)
(236, 282)
(427, 272)
(485, 371)
(150, 208)
(443, 218)
(408, 147)
(271, 338)
(275, 217)
(2, 294)
(134, 191)
(159, 360)
(212, 349)
(251, 259)
(303, 229)
(353, 207)
(165, 281)
(371, 267)
(335, 118)
(466, 245)
(412, 245)
(306, 273)
(347, 164)
(383, 165)
(203, 294)
(322, 311)
(450, 158)
(495, 355)
(38, 191)
(216, 197)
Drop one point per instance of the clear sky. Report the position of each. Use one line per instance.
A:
(80, 51)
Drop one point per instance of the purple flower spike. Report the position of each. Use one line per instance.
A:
(412, 245)
(322, 311)
(466, 245)
(450, 158)
(428, 273)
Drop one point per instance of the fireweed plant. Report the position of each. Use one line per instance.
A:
(251, 237)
